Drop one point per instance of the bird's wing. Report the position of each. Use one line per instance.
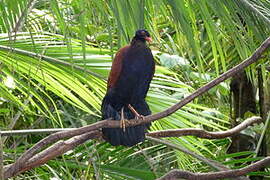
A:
(117, 66)
(136, 74)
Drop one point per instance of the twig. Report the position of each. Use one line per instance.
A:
(176, 174)
(15, 119)
(214, 164)
(204, 134)
(148, 160)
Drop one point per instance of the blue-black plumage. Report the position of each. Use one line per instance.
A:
(131, 73)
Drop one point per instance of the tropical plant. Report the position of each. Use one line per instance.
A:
(55, 56)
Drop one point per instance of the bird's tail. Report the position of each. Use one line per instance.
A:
(131, 135)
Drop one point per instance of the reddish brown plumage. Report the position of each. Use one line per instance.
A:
(116, 67)
(131, 73)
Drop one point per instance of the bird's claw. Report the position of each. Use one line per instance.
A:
(136, 114)
(122, 120)
(139, 117)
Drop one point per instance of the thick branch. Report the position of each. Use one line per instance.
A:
(55, 137)
(18, 165)
(176, 174)
(164, 133)
(56, 150)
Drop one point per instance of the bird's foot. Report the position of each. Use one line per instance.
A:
(122, 120)
(140, 117)
(136, 114)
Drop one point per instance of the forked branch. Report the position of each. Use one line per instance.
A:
(33, 158)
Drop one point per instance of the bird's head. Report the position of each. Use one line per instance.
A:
(142, 35)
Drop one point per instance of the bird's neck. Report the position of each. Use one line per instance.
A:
(137, 41)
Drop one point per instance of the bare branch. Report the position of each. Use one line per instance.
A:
(55, 137)
(176, 174)
(48, 154)
(110, 123)
(164, 133)
(204, 134)
(31, 155)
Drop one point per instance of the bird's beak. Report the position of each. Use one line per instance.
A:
(148, 39)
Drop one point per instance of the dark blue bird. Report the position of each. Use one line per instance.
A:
(131, 73)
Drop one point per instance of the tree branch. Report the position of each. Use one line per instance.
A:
(33, 158)
(176, 174)
(112, 124)
(164, 133)
(205, 134)
(48, 154)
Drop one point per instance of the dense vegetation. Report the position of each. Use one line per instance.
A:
(55, 56)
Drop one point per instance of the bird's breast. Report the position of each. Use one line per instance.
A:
(139, 59)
